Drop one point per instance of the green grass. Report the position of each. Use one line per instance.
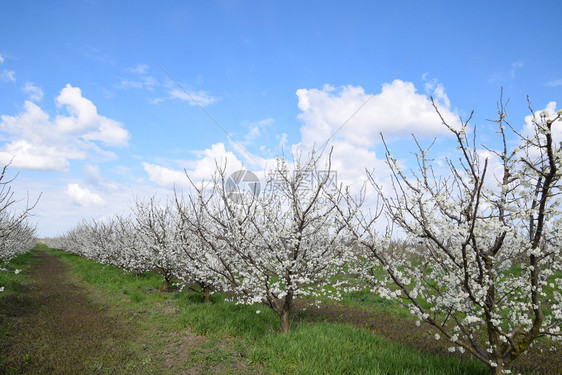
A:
(366, 299)
(11, 281)
(224, 318)
(310, 348)
(322, 348)
(114, 280)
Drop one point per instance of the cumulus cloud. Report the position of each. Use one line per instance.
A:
(198, 170)
(83, 197)
(39, 157)
(36, 141)
(85, 120)
(352, 120)
(209, 158)
(35, 93)
(435, 88)
(550, 110)
(165, 177)
(398, 110)
(8, 75)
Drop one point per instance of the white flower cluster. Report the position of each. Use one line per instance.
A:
(482, 252)
(17, 236)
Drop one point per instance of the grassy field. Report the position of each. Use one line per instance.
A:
(239, 332)
(176, 333)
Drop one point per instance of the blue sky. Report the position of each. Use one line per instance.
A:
(92, 121)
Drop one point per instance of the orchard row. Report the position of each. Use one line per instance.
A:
(480, 258)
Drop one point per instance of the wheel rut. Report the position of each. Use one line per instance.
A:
(52, 326)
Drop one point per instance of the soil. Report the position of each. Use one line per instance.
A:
(56, 325)
(53, 327)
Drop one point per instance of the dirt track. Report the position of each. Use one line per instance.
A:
(56, 325)
(53, 327)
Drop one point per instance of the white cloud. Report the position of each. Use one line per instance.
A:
(93, 177)
(139, 80)
(351, 162)
(283, 140)
(39, 157)
(147, 82)
(1, 60)
(436, 89)
(209, 159)
(138, 69)
(35, 93)
(129, 84)
(86, 121)
(256, 130)
(202, 98)
(529, 128)
(509, 73)
(83, 197)
(8, 75)
(33, 124)
(198, 170)
(514, 67)
(165, 177)
(38, 142)
(554, 83)
(397, 111)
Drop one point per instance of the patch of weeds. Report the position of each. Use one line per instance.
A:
(26, 359)
(137, 297)
(13, 274)
(148, 288)
(147, 360)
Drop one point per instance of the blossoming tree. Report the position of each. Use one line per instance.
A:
(156, 225)
(17, 236)
(274, 247)
(484, 265)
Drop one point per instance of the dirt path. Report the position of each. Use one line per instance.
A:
(57, 325)
(53, 327)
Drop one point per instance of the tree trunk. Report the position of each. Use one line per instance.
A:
(166, 287)
(285, 325)
(207, 294)
(498, 370)
(286, 313)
